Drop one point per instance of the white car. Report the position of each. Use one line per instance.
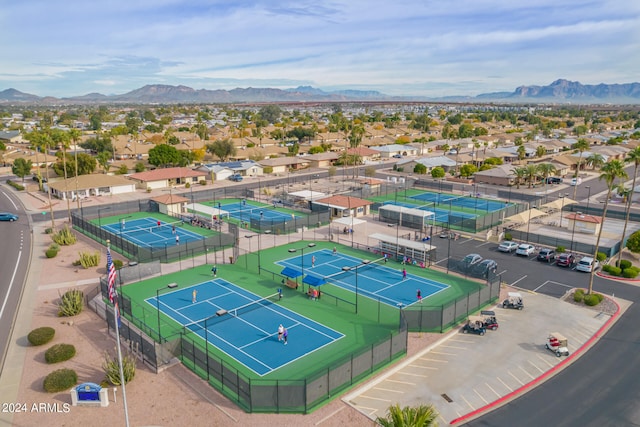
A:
(576, 181)
(525, 250)
(587, 264)
(508, 246)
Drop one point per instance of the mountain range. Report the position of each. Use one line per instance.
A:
(560, 91)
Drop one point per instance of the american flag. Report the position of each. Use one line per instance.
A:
(111, 277)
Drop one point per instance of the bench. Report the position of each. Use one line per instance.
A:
(291, 283)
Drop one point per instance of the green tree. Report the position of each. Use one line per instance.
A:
(610, 172)
(270, 113)
(468, 170)
(438, 172)
(522, 152)
(633, 242)
(531, 174)
(596, 160)
(139, 167)
(541, 151)
(420, 169)
(222, 149)
(123, 170)
(465, 130)
(422, 416)
(520, 174)
(103, 158)
(86, 164)
(164, 155)
(546, 170)
(21, 167)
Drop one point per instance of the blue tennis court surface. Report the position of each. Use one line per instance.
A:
(246, 211)
(375, 280)
(475, 203)
(251, 336)
(441, 215)
(146, 232)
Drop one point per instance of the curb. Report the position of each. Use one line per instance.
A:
(546, 375)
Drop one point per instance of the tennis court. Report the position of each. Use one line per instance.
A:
(372, 279)
(243, 325)
(147, 233)
(244, 211)
(441, 215)
(476, 203)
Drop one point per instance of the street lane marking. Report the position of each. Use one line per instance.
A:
(13, 278)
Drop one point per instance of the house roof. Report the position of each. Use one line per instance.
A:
(501, 171)
(363, 151)
(90, 181)
(166, 173)
(584, 218)
(284, 161)
(345, 202)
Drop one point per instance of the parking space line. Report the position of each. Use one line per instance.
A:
(554, 283)
(442, 352)
(388, 389)
(515, 378)
(434, 360)
(424, 367)
(438, 262)
(535, 366)
(399, 382)
(502, 272)
(453, 346)
(505, 385)
(366, 408)
(364, 396)
(483, 244)
(491, 388)
(585, 336)
(413, 374)
(522, 278)
(525, 371)
(545, 360)
(467, 402)
(480, 396)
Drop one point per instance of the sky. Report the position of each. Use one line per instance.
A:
(402, 47)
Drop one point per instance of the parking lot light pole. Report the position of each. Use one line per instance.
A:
(529, 221)
(562, 207)
(588, 187)
(169, 286)
(573, 229)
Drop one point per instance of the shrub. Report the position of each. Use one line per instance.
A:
(624, 264)
(600, 297)
(578, 295)
(15, 185)
(89, 260)
(203, 182)
(54, 246)
(60, 380)
(112, 369)
(64, 237)
(40, 336)
(71, 303)
(59, 353)
(48, 230)
(630, 273)
(117, 263)
(187, 185)
(611, 269)
(508, 236)
(51, 253)
(561, 249)
(591, 300)
(601, 256)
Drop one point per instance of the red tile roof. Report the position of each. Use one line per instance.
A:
(344, 201)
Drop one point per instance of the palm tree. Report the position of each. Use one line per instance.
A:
(632, 156)
(546, 170)
(520, 173)
(422, 416)
(595, 160)
(582, 145)
(531, 172)
(610, 172)
(75, 135)
(61, 139)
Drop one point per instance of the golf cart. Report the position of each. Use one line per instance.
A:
(474, 325)
(514, 300)
(489, 319)
(558, 344)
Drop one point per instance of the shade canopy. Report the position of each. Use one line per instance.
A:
(291, 272)
(313, 280)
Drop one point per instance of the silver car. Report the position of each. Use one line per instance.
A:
(508, 246)
(525, 250)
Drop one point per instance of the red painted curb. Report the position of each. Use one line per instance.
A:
(545, 375)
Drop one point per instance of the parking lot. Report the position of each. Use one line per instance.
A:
(464, 372)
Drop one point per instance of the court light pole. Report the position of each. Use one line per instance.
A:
(99, 218)
(562, 207)
(573, 229)
(529, 221)
(169, 286)
(301, 249)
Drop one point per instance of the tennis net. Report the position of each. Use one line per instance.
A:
(224, 314)
(165, 227)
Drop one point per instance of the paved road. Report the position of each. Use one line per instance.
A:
(15, 254)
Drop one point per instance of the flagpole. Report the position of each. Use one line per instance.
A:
(116, 309)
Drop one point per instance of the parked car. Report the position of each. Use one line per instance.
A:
(471, 259)
(587, 264)
(554, 180)
(565, 260)
(508, 246)
(474, 325)
(485, 266)
(576, 181)
(6, 216)
(525, 249)
(397, 156)
(235, 178)
(547, 255)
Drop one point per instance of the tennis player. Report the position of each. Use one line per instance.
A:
(285, 334)
(280, 332)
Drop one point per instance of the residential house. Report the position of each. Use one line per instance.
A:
(284, 164)
(499, 175)
(343, 206)
(90, 185)
(388, 151)
(167, 177)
